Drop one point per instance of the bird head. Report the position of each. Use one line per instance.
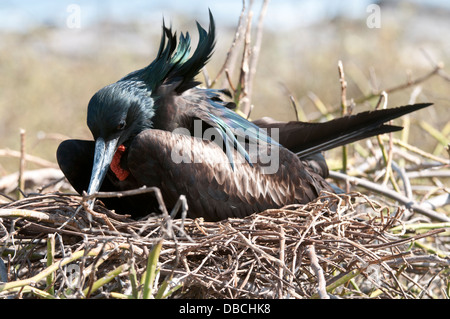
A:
(116, 114)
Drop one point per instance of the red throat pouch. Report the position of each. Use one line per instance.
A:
(120, 173)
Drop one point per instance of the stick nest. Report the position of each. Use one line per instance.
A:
(338, 246)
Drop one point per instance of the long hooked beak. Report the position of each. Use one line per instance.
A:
(103, 155)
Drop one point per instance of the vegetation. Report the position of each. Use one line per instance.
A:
(388, 237)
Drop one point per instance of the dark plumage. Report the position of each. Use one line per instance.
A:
(155, 127)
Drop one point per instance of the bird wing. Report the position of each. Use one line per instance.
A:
(176, 110)
(184, 165)
(234, 129)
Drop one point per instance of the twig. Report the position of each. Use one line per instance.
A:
(206, 78)
(21, 181)
(229, 60)
(425, 260)
(230, 82)
(403, 86)
(428, 173)
(101, 216)
(138, 191)
(437, 201)
(294, 106)
(50, 260)
(243, 94)
(282, 259)
(318, 271)
(344, 111)
(392, 194)
(37, 177)
(406, 183)
(343, 89)
(28, 158)
(418, 151)
(255, 52)
(383, 98)
(118, 194)
(387, 156)
(420, 226)
(299, 116)
(35, 215)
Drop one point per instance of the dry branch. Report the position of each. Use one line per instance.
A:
(31, 178)
(28, 158)
(410, 204)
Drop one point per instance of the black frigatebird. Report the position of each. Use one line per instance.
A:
(157, 127)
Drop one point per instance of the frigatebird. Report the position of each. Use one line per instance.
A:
(157, 127)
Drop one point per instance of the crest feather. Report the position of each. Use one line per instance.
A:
(173, 64)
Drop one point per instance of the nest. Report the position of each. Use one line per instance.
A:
(339, 246)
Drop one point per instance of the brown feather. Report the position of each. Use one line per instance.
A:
(212, 189)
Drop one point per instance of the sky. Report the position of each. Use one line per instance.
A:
(21, 15)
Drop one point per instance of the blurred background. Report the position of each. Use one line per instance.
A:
(54, 55)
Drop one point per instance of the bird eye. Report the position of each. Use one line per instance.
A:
(121, 126)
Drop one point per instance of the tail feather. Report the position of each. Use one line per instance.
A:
(305, 139)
